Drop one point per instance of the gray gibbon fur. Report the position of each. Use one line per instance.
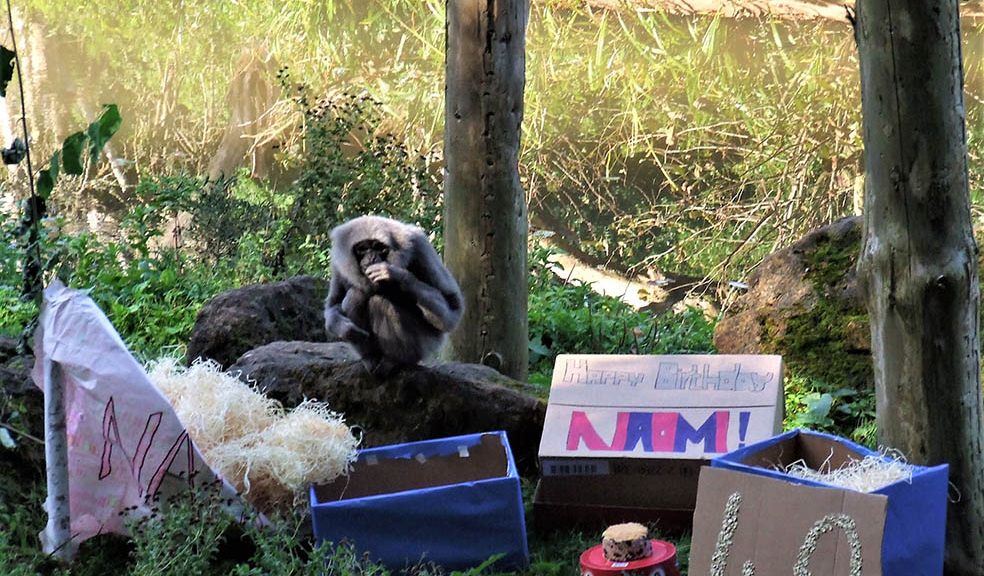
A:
(390, 295)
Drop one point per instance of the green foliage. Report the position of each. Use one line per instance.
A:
(100, 131)
(15, 313)
(345, 166)
(181, 537)
(96, 136)
(569, 317)
(151, 297)
(19, 553)
(349, 167)
(72, 154)
(842, 411)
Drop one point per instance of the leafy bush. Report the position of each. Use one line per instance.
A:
(842, 411)
(20, 554)
(349, 166)
(345, 166)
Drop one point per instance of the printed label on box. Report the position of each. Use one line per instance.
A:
(686, 406)
(575, 467)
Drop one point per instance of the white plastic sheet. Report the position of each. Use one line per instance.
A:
(125, 443)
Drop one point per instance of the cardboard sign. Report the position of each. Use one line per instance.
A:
(750, 525)
(685, 406)
(915, 525)
(625, 436)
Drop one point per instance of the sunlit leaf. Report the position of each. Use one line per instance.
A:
(72, 154)
(6, 69)
(102, 130)
(818, 407)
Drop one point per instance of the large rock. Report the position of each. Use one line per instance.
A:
(236, 321)
(805, 303)
(416, 403)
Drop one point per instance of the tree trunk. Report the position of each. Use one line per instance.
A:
(485, 207)
(919, 255)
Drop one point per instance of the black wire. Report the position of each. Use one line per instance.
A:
(35, 203)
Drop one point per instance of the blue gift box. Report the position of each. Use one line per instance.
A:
(452, 501)
(915, 519)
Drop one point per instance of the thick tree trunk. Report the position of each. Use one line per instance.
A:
(919, 255)
(485, 207)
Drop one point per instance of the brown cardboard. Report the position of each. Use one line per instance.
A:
(486, 459)
(772, 522)
(625, 436)
(665, 497)
(816, 452)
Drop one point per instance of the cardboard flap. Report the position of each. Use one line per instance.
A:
(680, 406)
(815, 451)
(774, 524)
(453, 463)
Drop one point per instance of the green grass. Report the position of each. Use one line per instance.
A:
(192, 535)
(568, 317)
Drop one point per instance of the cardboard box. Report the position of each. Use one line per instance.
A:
(625, 436)
(452, 501)
(747, 519)
(915, 518)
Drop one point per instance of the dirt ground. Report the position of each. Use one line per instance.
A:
(801, 9)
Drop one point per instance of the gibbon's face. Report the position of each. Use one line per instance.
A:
(369, 252)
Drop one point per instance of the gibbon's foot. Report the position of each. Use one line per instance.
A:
(381, 367)
(370, 361)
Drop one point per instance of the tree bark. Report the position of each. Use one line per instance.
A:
(485, 206)
(56, 538)
(919, 255)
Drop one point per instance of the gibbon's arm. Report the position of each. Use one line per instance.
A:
(432, 287)
(442, 311)
(442, 304)
(336, 322)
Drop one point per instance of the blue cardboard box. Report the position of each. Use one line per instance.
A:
(915, 519)
(452, 501)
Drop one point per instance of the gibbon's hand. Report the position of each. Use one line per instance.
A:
(354, 334)
(383, 272)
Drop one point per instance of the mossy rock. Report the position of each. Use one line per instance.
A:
(805, 304)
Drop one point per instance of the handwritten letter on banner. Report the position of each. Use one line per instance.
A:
(681, 406)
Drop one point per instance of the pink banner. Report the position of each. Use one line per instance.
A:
(125, 443)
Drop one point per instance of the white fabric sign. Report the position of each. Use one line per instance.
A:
(125, 443)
